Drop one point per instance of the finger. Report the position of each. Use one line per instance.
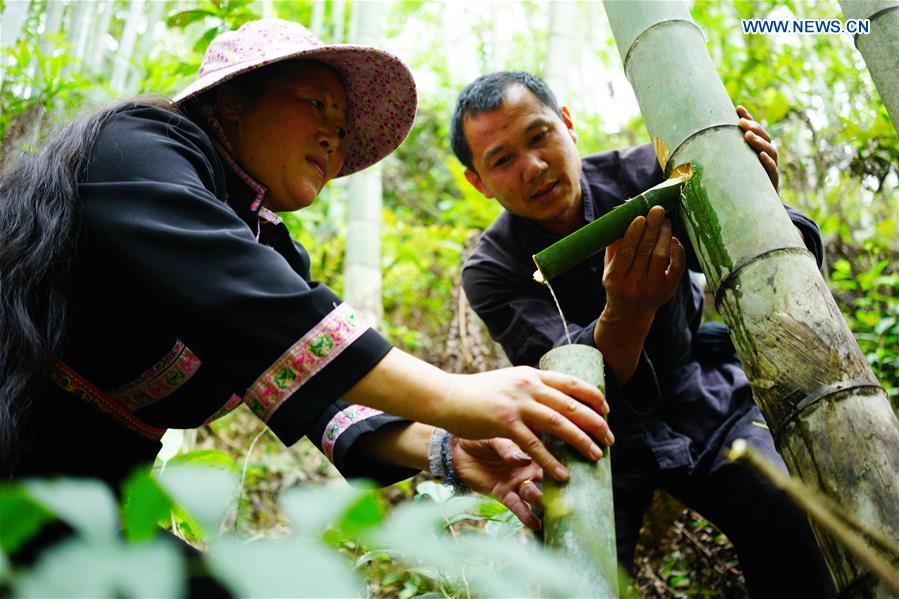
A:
(661, 253)
(521, 510)
(743, 112)
(530, 492)
(533, 446)
(583, 418)
(771, 168)
(576, 388)
(755, 128)
(626, 249)
(644, 251)
(678, 263)
(750, 126)
(610, 252)
(575, 430)
(509, 451)
(759, 144)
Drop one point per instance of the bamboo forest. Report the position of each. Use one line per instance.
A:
(509, 298)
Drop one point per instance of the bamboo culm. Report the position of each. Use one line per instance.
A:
(879, 47)
(830, 418)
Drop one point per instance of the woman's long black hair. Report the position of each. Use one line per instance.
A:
(40, 224)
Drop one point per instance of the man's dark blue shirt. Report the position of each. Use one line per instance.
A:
(689, 397)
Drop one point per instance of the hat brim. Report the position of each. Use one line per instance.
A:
(381, 97)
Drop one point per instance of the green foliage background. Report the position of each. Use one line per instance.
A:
(839, 162)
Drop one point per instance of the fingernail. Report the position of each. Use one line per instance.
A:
(595, 452)
(610, 439)
(561, 473)
(520, 455)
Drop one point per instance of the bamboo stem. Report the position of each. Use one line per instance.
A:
(831, 420)
(580, 518)
(855, 536)
(880, 47)
(593, 237)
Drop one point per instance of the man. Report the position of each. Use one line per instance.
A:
(676, 389)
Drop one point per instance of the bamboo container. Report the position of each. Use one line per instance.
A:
(593, 237)
(580, 518)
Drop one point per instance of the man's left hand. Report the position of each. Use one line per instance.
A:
(759, 140)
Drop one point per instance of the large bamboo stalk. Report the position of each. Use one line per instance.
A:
(362, 283)
(580, 516)
(593, 237)
(830, 418)
(880, 47)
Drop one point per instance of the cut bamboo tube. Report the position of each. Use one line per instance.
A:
(593, 237)
(580, 518)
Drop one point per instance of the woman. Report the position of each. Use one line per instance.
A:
(147, 283)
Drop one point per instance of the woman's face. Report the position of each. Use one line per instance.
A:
(290, 139)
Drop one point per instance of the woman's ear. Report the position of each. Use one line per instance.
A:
(230, 103)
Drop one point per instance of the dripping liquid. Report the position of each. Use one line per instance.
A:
(559, 308)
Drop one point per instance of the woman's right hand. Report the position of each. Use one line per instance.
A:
(515, 403)
(520, 403)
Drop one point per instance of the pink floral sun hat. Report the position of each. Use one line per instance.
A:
(380, 89)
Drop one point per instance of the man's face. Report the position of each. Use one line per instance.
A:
(524, 156)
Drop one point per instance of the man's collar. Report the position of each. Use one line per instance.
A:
(587, 204)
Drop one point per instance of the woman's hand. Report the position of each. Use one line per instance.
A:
(520, 403)
(515, 403)
(499, 468)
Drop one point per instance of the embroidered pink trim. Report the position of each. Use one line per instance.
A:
(73, 383)
(315, 350)
(270, 216)
(341, 422)
(224, 147)
(231, 404)
(160, 380)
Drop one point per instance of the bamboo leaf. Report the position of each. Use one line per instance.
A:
(291, 568)
(86, 505)
(186, 17)
(22, 518)
(144, 505)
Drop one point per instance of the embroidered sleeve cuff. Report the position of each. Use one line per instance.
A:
(354, 464)
(312, 374)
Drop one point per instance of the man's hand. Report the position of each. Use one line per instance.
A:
(642, 271)
(759, 140)
(499, 468)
